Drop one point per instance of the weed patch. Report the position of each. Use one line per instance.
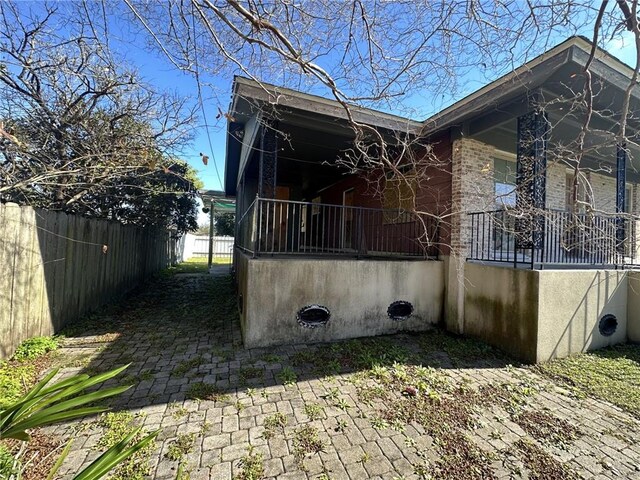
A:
(205, 391)
(287, 376)
(306, 441)
(546, 427)
(35, 347)
(540, 464)
(115, 426)
(185, 367)
(273, 424)
(612, 374)
(314, 411)
(180, 447)
(251, 466)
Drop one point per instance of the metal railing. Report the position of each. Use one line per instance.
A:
(285, 227)
(552, 238)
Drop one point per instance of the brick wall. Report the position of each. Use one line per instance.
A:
(556, 186)
(472, 187)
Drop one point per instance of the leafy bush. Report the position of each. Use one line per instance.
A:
(35, 347)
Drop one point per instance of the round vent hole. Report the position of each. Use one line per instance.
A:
(313, 316)
(400, 310)
(608, 325)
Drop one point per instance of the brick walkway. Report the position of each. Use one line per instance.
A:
(347, 409)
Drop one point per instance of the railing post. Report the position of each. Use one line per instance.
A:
(254, 227)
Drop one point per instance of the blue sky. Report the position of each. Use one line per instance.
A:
(158, 71)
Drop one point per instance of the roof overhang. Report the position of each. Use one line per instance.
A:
(530, 76)
(251, 98)
(220, 201)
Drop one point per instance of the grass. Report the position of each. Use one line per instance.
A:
(192, 265)
(198, 265)
(611, 374)
(6, 462)
(184, 367)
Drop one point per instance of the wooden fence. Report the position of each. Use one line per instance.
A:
(55, 268)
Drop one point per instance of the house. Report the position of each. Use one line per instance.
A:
(509, 245)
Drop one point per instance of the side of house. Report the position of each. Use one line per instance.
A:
(322, 255)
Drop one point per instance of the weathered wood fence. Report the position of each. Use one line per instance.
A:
(57, 267)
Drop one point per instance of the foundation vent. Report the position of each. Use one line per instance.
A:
(400, 310)
(608, 325)
(313, 316)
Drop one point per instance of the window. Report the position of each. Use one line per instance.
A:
(399, 197)
(504, 176)
(628, 198)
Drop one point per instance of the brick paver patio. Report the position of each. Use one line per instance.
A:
(393, 407)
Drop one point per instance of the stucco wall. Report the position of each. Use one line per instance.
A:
(537, 315)
(357, 292)
(500, 307)
(633, 307)
(571, 303)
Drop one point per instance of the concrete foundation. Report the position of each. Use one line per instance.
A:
(538, 315)
(357, 293)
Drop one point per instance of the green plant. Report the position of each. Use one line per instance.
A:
(181, 446)
(8, 463)
(35, 347)
(13, 377)
(306, 441)
(205, 391)
(271, 358)
(314, 411)
(251, 466)
(247, 373)
(272, 423)
(117, 426)
(287, 376)
(184, 367)
(342, 404)
(178, 411)
(47, 404)
(341, 425)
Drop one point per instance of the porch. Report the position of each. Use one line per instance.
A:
(287, 228)
(553, 239)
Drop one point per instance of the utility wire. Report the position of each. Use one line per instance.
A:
(200, 101)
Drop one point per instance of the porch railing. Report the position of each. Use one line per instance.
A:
(284, 227)
(553, 238)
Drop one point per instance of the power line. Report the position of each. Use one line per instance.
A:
(204, 114)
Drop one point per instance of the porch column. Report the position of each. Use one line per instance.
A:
(621, 180)
(532, 137)
(268, 161)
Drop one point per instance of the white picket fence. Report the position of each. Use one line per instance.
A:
(198, 246)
